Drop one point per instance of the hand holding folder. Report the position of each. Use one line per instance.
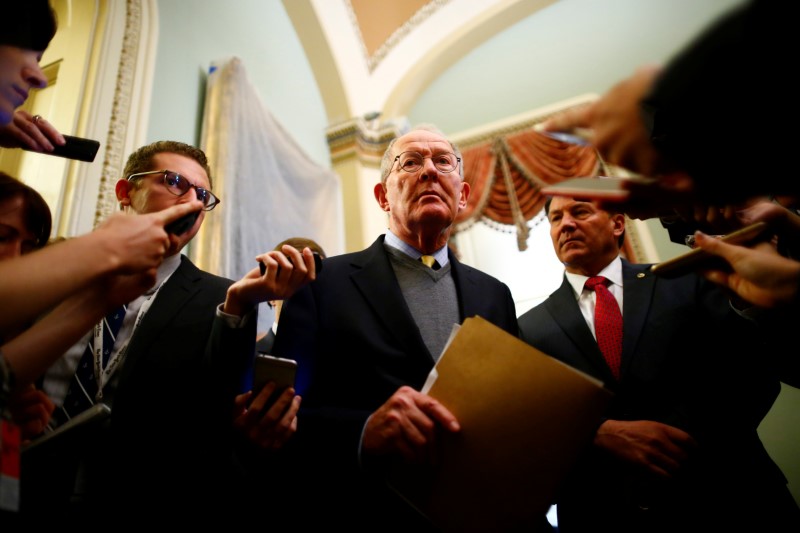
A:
(525, 417)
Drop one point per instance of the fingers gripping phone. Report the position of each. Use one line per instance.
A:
(699, 258)
(183, 224)
(268, 368)
(75, 148)
(602, 188)
(317, 265)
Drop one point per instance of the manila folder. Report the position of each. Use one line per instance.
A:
(525, 417)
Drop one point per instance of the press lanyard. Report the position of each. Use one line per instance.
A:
(103, 375)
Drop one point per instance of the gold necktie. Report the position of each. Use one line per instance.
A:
(429, 260)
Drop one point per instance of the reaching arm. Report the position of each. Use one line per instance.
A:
(30, 353)
(123, 244)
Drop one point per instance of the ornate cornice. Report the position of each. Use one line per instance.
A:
(361, 137)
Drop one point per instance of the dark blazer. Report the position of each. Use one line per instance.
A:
(265, 343)
(168, 447)
(688, 361)
(356, 343)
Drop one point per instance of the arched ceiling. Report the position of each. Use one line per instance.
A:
(372, 56)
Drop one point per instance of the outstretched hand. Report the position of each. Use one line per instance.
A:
(136, 243)
(615, 119)
(286, 271)
(759, 275)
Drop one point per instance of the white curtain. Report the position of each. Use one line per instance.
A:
(270, 189)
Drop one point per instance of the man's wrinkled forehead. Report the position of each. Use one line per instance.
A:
(559, 202)
(422, 142)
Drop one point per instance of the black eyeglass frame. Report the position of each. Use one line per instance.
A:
(423, 158)
(207, 206)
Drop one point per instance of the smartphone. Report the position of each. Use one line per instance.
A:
(317, 264)
(268, 368)
(88, 418)
(182, 225)
(75, 148)
(699, 258)
(603, 188)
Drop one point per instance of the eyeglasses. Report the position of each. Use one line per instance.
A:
(178, 185)
(412, 161)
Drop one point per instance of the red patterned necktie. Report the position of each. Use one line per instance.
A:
(607, 323)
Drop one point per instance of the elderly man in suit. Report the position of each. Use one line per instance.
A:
(369, 331)
(170, 375)
(678, 450)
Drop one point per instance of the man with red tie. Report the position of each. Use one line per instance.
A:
(678, 449)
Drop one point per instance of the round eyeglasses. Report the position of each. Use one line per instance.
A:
(413, 161)
(178, 185)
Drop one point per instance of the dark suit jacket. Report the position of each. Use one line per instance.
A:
(688, 361)
(356, 343)
(265, 344)
(168, 447)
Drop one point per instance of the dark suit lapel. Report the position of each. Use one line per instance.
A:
(171, 297)
(638, 287)
(563, 307)
(377, 283)
(470, 299)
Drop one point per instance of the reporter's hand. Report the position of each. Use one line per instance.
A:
(759, 275)
(254, 288)
(650, 199)
(406, 425)
(269, 428)
(23, 131)
(619, 134)
(135, 243)
(654, 447)
(30, 409)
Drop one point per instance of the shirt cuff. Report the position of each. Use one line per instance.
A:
(234, 321)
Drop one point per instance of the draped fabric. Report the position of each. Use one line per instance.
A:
(506, 174)
(270, 189)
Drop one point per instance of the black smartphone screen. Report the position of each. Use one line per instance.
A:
(76, 148)
(182, 225)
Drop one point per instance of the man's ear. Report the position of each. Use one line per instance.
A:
(123, 190)
(380, 196)
(619, 224)
(462, 202)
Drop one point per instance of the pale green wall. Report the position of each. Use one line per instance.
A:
(193, 33)
(571, 48)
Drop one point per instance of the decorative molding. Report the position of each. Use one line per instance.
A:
(516, 124)
(398, 35)
(118, 124)
(495, 135)
(362, 137)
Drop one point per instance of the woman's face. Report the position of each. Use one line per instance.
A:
(19, 73)
(16, 238)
